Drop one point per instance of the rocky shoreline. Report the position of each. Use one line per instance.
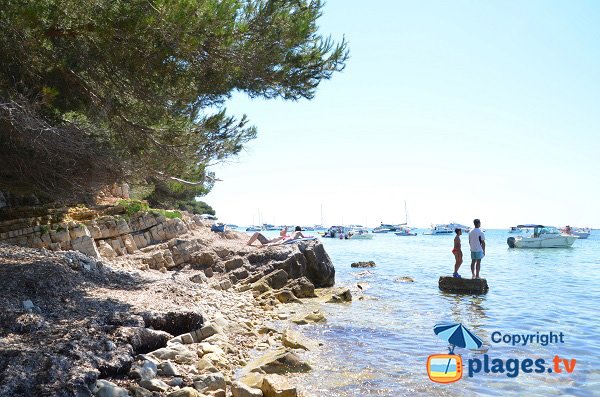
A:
(191, 315)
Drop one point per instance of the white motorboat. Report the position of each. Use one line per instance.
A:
(447, 228)
(542, 237)
(253, 229)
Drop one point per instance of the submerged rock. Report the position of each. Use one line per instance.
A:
(277, 386)
(341, 296)
(404, 279)
(278, 361)
(363, 264)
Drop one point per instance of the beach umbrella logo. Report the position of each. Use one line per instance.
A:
(447, 368)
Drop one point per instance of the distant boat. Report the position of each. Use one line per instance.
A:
(360, 233)
(514, 229)
(404, 231)
(447, 229)
(542, 237)
(253, 229)
(581, 232)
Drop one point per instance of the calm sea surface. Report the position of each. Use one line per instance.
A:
(379, 346)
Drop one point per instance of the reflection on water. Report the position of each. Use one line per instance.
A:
(379, 346)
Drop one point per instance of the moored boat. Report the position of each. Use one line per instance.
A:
(542, 237)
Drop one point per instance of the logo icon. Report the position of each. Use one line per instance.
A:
(447, 368)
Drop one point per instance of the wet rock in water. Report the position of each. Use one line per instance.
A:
(185, 392)
(240, 389)
(314, 317)
(363, 264)
(341, 296)
(278, 361)
(302, 288)
(404, 279)
(295, 340)
(278, 386)
(463, 285)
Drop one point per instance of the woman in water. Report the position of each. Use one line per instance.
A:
(457, 252)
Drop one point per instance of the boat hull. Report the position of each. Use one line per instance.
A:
(561, 241)
(364, 236)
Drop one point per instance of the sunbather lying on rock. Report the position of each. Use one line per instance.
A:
(283, 237)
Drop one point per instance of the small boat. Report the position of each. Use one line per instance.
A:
(542, 237)
(515, 229)
(253, 229)
(387, 228)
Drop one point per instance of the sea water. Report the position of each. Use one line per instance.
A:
(378, 346)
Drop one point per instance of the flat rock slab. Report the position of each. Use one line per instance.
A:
(463, 285)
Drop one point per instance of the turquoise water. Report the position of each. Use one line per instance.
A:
(379, 346)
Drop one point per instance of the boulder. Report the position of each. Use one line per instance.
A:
(278, 386)
(302, 288)
(341, 296)
(276, 279)
(463, 285)
(319, 269)
(104, 388)
(85, 245)
(363, 264)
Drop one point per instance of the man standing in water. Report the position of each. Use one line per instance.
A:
(477, 244)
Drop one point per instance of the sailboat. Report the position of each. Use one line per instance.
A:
(404, 230)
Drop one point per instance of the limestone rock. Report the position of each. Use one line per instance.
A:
(185, 392)
(278, 386)
(85, 245)
(154, 385)
(314, 317)
(276, 279)
(105, 250)
(363, 264)
(302, 288)
(253, 380)
(239, 389)
(210, 382)
(277, 362)
(295, 340)
(234, 263)
(286, 296)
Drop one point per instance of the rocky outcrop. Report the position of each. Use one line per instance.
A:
(463, 285)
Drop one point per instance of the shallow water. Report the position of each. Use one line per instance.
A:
(379, 346)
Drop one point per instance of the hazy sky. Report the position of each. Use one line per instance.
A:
(464, 109)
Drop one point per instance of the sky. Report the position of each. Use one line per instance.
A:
(461, 110)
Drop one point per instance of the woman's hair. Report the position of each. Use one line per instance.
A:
(298, 229)
(457, 230)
